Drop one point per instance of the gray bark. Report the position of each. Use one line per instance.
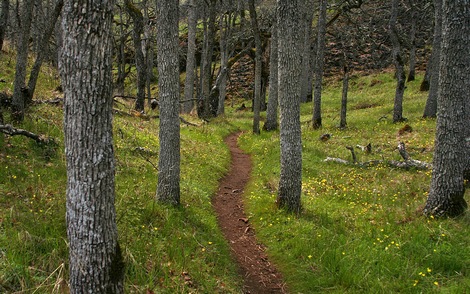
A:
(225, 33)
(190, 58)
(289, 54)
(206, 75)
(399, 64)
(168, 189)
(96, 264)
(140, 64)
(412, 62)
(271, 123)
(446, 195)
(319, 64)
(430, 110)
(33, 77)
(344, 97)
(258, 66)
(4, 21)
(20, 92)
(306, 86)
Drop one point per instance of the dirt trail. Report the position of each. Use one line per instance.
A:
(260, 275)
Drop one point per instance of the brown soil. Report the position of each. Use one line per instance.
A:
(260, 276)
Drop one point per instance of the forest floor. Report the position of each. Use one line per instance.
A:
(260, 275)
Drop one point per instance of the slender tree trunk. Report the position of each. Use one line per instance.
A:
(289, 53)
(344, 98)
(306, 56)
(225, 33)
(258, 67)
(399, 64)
(4, 21)
(20, 92)
(148, 52)
(96, 264)
(206, 74)
(424, 86)
(319, 64)
(168, 189)
(33, 77)
(412, 65)
(121, 59)
(430, 110)
(271, 123)
(140, 64)
(446, 195)
(190, 57)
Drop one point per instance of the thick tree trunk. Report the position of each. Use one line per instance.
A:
(190, 58)
(399, 64)
(258, 67)
(271, 123)
(168, 189)
(430, 110)
(289, 53)
(20, 92)
(96, 264)
(446, 195)
(140, 64)
(33, 77)
(4, 21)
(319, 64)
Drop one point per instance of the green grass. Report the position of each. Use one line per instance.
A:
(360, 229)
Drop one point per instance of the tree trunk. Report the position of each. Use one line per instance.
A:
(258, 66)
(399, 64)
(305, 95)
(121, 59)
(33, 77)
(446, 195)
(96, 264)
(20, 92)
(271, 123)
(206, 75)
(168, 189)
(140, 64)
(319, 64)
(289, 53)
(430, 110)
(225, 33)
(190, 57)
(412, 65)
(4, 21)
(344, 98)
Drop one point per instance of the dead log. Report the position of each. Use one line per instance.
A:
(12, 131)
(406, 164)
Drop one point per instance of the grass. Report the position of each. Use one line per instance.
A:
(360, 230)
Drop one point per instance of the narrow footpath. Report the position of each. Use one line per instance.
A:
(260, 276)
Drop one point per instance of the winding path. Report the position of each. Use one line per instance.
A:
(260, 276)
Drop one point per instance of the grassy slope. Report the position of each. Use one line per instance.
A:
(359, 231)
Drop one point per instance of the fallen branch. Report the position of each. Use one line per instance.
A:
(406, 164)
(12, 131)
(54, 101)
